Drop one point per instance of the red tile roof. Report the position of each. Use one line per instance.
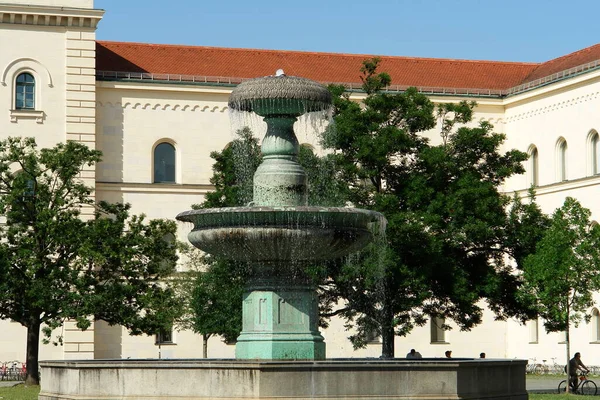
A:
(326, 67)
(563, 63)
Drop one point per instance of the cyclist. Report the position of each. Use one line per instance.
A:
(574, 364)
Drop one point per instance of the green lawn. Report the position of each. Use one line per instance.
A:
(535, 396)
(22, 392)
(19, 392)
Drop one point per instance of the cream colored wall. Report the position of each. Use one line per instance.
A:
(195, 121)
(542, 117)
(566, 110)
(45, 59)
(551, 345)
(56, 44)
(13, 343)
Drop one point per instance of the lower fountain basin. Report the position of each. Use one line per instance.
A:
(396, 379)
(280, 234)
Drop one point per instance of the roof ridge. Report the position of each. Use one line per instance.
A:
(554, 60)
(320, 53)
(572, 53)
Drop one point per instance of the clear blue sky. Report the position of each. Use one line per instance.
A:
(504, 30)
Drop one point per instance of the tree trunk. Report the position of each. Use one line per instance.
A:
(205, 338)
(32, 376)
(387, 334)
(567, 346)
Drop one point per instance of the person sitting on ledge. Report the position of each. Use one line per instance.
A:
(448, 353)
(413, 355)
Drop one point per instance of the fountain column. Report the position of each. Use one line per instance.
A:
(280, 309)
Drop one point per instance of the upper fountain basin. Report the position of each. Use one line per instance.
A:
(280, 95)
(280, 234)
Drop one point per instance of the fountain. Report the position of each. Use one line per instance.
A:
(280, 352)
(280, 234)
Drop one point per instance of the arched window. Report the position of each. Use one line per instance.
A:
(164, 163)
(595, 325)
(438, 334)
(25, 92)
(533, 166)
(561, 160)
(594, 153)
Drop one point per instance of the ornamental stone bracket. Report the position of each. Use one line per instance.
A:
(39, 116)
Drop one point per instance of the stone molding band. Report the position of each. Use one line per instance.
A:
(50, 16)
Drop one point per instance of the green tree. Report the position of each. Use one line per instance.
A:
(213, 307)
(56, 266)
(447, 222)
(233, 170)
(564, 272)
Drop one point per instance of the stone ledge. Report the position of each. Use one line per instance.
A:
(340, 378)
(16, 115)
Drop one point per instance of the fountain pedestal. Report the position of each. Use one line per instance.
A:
(280, 324)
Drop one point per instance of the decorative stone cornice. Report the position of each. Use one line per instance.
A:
(550, 108)
(166, 106)
(50, 16)
(160, 188)
(564, 186)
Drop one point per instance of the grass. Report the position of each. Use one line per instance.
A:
(22, 392)
(19, 392)
(537, 396)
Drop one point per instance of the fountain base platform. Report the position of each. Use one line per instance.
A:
(329, 379)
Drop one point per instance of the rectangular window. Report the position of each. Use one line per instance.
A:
(563, 337)
(438, 334)
(165, 336)
(372, 336)
(533, 331)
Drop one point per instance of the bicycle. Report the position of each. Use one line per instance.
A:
(533, 367)
(585, 386)
(556, 368)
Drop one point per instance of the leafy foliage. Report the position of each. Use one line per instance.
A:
(233, 170)
(56, 265)
(564, 272)
(446, 237)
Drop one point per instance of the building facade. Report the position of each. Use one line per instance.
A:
(157, 111)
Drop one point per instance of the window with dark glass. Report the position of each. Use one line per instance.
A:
(164, 336)
(438, 334)
(25, 92)
(164, 163)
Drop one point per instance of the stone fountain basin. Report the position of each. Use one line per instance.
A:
(280, 234)
(284, 107)
(280, 95)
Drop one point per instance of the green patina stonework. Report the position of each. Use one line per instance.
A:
(280, 325)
